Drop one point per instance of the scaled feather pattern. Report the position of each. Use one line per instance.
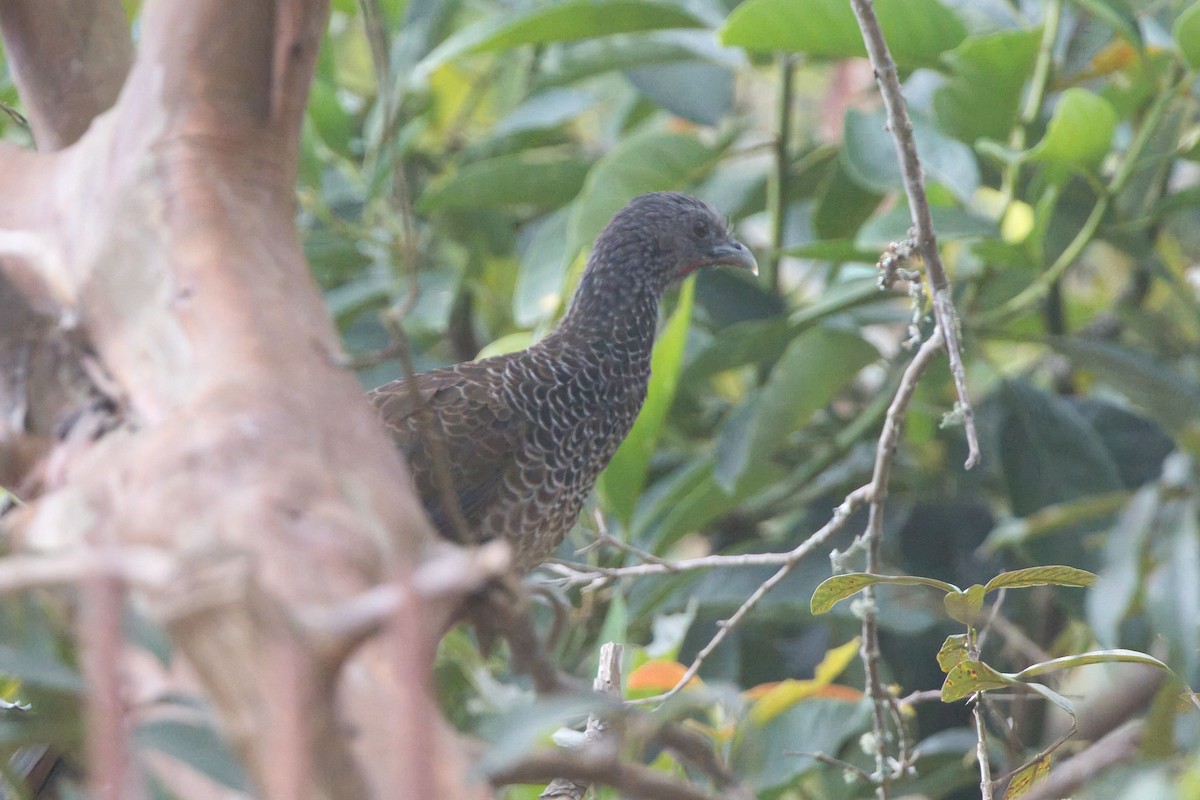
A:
(510, 446)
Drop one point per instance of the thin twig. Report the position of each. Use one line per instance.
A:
(885, 451)
(631, 780)
(981, 750)
(142, 566)
(791, 559)
(914, 187)
(603, 537)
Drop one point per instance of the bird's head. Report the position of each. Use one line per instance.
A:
(658, 239)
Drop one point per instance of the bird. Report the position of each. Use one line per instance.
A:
(509, 447)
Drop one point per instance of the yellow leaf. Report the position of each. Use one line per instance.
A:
(773, 700)
(835, 661)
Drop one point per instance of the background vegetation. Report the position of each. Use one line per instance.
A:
(459, 158)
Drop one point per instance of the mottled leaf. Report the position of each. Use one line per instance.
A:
(968, 677)
(836, 589)
(1054, 575)
(953, 651)
(1026, 777)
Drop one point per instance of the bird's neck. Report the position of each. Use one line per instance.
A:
(620, 318)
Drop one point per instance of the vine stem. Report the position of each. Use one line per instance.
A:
(924, 237)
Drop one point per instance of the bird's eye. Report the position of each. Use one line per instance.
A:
(700, 230)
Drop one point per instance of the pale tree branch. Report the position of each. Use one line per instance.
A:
(69, 59)
(246, 456)
(901, 127)
(602, 769)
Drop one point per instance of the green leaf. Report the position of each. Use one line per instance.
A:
(816, 366)
(539, 289)
(691, 499)
(917, 31)
(968, 677)
(539, 179)
(1041, 576)
(1170, 399)
(562, 21)
(965, 606)
(1048, 452)
(836, 589)
(1187, 34)
(823, 725)
(764, 341)
(548, 109)
(953, 651)
(1052, 696)
(1080, 131)
(622, 481)
(618, 53)
(837, 250)
(1118, 587)
(38, 668)
(1173, 587)
(692, 90)
(951, 223)
(1055, 518)
(1093, 657)
(869, 155)
(197, 746)
(514, 733)
(646, 162)
(983, 98)
(842, 207)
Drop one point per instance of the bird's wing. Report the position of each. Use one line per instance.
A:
(462, 408)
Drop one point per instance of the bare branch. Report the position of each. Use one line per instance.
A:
(632, 780)
(790, 560)
(914, 187)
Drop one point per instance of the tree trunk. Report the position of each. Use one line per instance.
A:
(173, 402)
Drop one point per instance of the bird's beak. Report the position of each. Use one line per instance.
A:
(732, 253)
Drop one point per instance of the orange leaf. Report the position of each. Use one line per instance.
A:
(657, 676)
